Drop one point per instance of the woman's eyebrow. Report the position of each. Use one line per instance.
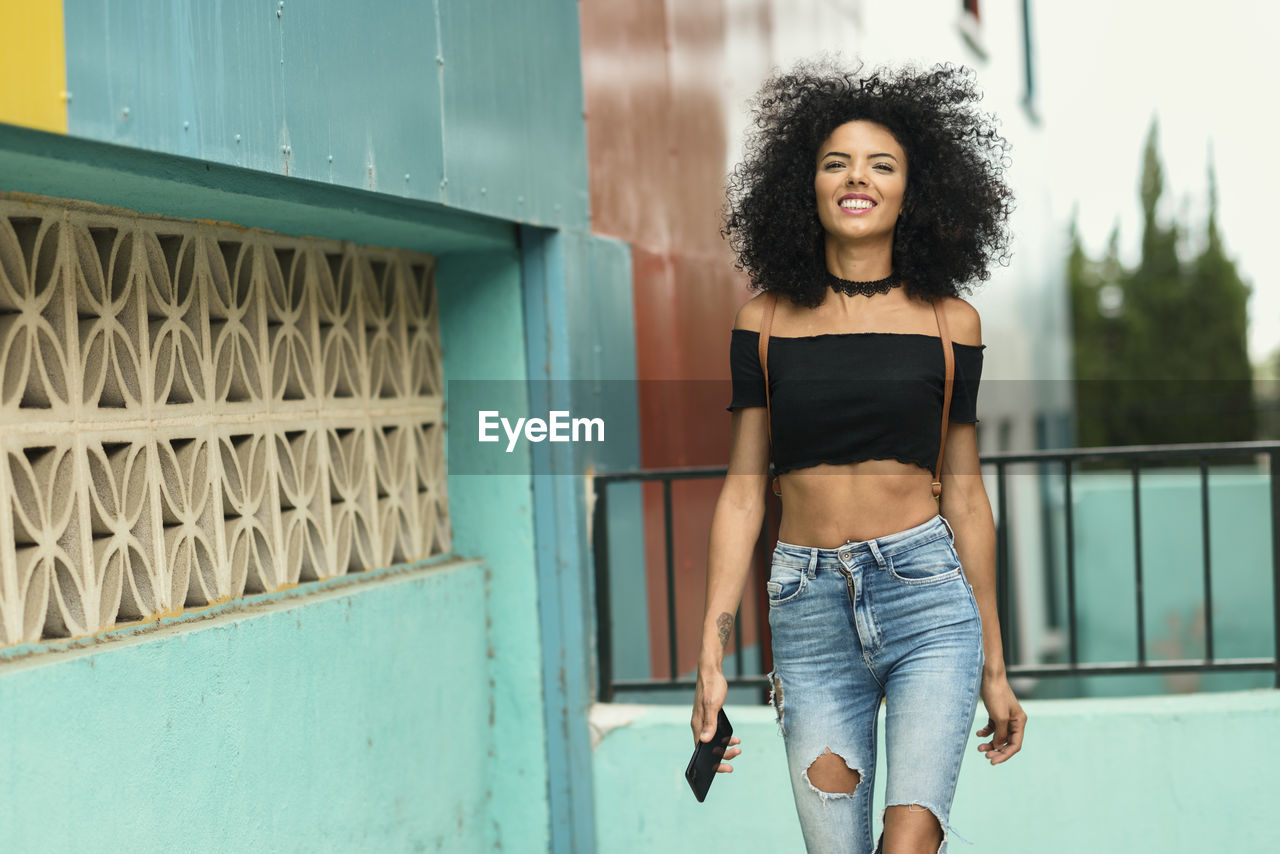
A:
(850, 157)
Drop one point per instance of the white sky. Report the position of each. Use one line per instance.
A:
(1210, 72)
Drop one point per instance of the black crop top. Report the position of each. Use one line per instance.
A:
(847, 397)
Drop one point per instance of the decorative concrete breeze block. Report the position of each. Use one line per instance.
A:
(192, 411)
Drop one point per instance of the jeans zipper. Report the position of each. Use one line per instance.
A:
(848, 583)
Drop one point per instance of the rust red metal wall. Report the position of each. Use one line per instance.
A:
(655, 94)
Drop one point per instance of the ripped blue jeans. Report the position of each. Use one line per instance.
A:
(893, 619)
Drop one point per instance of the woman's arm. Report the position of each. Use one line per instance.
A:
(967, 509)
(735, 526)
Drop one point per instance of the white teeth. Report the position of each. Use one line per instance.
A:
(857, 204)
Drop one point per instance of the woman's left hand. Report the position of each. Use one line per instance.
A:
(1007, 720)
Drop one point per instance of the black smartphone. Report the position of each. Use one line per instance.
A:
(707, 756)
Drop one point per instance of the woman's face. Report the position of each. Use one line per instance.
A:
(860, 181)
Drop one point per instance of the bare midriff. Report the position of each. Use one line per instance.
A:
(829, 505)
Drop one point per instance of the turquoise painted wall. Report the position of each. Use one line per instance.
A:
(469, 716)
(1173, 577)
(601, 322)
(482, 330)
(581, 355)
(431, 126)
(475, 104)
(320, 724)
(1170, 774)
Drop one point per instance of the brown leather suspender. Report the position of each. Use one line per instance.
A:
(948, 382)
(770, 302)
(948, 359)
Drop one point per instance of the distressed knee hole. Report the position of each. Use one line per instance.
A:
(913, 825)
(831, 776)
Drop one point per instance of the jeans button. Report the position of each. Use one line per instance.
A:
(844, 555)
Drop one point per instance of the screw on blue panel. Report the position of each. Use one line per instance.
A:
(330, 158)
(186, 125)
(237, 139)
(126, 112)
(483, 191)
(520, 200)
(406, 177)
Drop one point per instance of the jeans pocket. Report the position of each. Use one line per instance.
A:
(935, 562)
(785, 583)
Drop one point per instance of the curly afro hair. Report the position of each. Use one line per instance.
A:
(956, 206)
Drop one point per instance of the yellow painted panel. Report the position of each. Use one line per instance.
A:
(33, 64)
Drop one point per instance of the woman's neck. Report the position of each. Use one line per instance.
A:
(860, 262)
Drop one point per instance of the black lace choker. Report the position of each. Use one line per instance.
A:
(879, 286)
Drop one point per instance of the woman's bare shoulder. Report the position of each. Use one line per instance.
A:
(751, 313)
(963, 321)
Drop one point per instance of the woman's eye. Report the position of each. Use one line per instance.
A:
(885, 166)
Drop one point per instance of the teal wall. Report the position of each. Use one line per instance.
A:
(603, 315)
(444, 674)
(1170, 774)
(1173, 594)
(475, 104)
(317, 723)
(483, 338)
(581, 354)
(439, 127)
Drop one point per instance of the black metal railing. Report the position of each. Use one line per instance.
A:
(1134, 458)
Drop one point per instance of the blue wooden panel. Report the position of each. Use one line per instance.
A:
(551, 261)
(515, 136)
(49, 164)
(472, 103)
(280, 87)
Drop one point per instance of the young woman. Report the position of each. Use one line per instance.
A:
(863, 209)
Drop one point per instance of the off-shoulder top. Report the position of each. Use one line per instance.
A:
(847, 397)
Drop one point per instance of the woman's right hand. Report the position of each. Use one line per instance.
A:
(708, 698)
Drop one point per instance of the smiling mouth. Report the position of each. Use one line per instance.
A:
(856, 206)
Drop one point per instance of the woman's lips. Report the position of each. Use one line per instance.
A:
(856, 211)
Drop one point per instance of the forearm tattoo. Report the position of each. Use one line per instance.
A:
(724, 623)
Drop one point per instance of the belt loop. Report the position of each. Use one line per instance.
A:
(948, 524)
(813, 562)
(875, 550)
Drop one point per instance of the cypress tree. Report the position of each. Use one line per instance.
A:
(1150, 387)
(1217, 304)
(1161, 351)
